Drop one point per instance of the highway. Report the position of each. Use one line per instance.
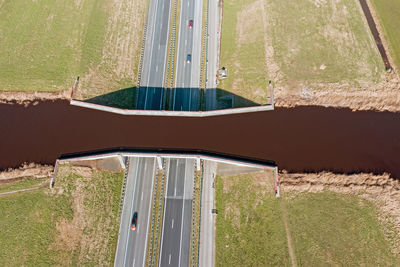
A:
(155, 52)
(212, 55)
(187, 80)
(131, 246)
(175, 239)
(207, 224)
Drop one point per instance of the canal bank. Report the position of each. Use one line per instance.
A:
(301, 139)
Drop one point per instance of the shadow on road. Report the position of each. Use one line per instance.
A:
(179, 99)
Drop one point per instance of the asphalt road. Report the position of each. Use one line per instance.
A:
(175, 239)
(151, 89)
(207, 235)
(187, 80)
(131, 247)
(212, 55)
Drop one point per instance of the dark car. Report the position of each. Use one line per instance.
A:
(134, 221)
(190, 24)
(189, 58)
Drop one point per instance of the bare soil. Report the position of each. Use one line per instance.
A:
(382, 97)
(29, 98)
(25, 171)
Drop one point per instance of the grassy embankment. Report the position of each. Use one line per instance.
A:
(76, 223)
(325, 228)
(45, 45)
(388, 12)
(296, 44)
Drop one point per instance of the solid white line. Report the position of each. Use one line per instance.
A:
(183, 213)
(151, 56)
(149, 215)
(165, 57)
(181, 23)
(133, 197)
(165, 208)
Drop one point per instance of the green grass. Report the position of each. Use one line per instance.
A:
(337, 229)
(296, 44)
(41, 43)
(388, 12)
(28, 220)
(326, 228)
(249, 226)
(46, 44)
(243, 54)
(27, 183)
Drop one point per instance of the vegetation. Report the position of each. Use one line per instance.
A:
(76, 223)
(26, 183)
(324, 228)
(296, 44)
(388, 12)
(46, 44)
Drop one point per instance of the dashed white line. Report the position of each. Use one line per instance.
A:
(157, 68)
(159, 46)
(169, 259)
(172, 224)
(185, 42)
(142, 196)
(134, 259)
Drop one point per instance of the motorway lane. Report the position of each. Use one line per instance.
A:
(151, 85)
(187, 80)
(131, 247)
(207, 246)
(175, 239)
(212, 55)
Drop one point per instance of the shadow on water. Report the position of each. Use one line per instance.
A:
(179, 99)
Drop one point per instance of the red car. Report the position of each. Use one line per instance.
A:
(134, 221)
(190, 24)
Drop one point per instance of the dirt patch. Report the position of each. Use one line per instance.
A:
(380, 189)
(382, 97)
(25, 98)
(25, 171)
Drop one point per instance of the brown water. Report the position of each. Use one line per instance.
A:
(302, 139)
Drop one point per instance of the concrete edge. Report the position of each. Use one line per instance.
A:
(171, 113)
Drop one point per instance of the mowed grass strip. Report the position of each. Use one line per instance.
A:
(388, 12)
(299, 44)
(249, 228)
(76, 223)
(243, 53)
(325, 228)
(337, 229)
(41, 43)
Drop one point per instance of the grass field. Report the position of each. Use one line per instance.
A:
(324, 228)
(388, 12)
(296, 44)
(26, 183)
(46, 44)
(76, 223)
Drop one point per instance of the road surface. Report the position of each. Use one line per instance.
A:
(131, 247)
(151, 89)
(175, 239)
(187, 80)
(207, 224)
(212, 55)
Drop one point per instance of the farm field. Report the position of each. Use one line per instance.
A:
(298, 45)
(388, 13)
(324, 228)
(76, 223)
(46, 44)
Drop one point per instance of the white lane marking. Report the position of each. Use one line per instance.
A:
(134, 259)
(157, 68)
(188, 3)
(169, 259)
(148, 212)
(172, 224)
(175, 191)
(141, 197)
(185, 42)
(159, 46)
(183, 212)
(165, 208)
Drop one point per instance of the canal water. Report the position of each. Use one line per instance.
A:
(302, 139)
